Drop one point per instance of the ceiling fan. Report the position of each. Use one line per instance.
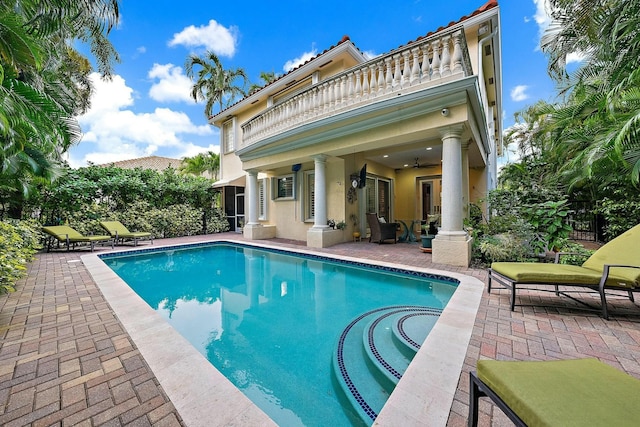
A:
(418, 165)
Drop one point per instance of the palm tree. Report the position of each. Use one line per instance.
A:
(201, 163)
(267, 77)
(213, 83)
(44, 83)
(601, 116)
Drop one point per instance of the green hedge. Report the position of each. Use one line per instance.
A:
(172, 221)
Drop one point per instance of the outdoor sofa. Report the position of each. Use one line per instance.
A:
(70, 237)
(615, 266)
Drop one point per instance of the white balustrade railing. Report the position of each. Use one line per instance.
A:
(420, 64)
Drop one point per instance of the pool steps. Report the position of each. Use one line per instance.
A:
(373, 352)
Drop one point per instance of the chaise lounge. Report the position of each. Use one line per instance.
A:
(615, 266)
(70, 237)
(381, 231)
(119, 232)
(563, 393)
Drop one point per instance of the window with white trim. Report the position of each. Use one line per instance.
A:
(228, 135)
(309, 213)
(262, 199)
(283, 187)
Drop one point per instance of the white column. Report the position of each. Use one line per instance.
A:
(252, 196)
(320, 192)
(465, 179)
(452, 189)
(452, 245)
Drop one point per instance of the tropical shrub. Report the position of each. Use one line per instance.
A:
(524, 224)
(18, 244)
(171, 221)
(547, 219)
(576, 253)
(503, 247)
(619, 215)
(165, 203)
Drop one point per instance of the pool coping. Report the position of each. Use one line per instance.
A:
(204, 397)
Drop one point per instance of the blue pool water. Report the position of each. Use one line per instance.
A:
(269, 320)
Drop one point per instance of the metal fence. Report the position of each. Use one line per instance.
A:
(586, 224)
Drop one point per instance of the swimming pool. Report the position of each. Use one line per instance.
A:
(279, 286)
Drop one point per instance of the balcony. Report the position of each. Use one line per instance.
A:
(425, 63)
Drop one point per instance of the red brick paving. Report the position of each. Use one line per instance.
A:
(65, 359)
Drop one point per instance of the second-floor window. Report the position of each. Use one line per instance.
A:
(228, 135)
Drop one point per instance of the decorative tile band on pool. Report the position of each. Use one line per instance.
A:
(396, 270)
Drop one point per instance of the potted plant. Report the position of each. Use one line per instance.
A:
(341, 225)
(429, 232)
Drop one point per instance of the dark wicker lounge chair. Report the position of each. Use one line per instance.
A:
(381, 231)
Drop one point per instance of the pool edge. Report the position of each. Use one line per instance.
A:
(425, 392)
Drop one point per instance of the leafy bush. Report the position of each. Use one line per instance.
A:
(577, 254)
(165, 203)
(523, 225)
(547, 220)
(170, 221)
(217, 221)
(502, 247)
(619, 216)
(18, 244)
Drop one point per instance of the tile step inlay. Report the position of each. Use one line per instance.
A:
(368, 378)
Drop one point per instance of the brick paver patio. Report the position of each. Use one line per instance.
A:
(65, 359)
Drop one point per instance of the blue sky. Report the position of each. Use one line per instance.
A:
(146, 110)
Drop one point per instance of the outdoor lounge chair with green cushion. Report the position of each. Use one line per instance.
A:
(615, 266)
(563, 393)
(119, 232)
(68, 236)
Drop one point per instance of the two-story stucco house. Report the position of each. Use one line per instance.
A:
(408, 134)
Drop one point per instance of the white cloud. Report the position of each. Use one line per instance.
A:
(519, 93)
(113, 132)
(510, 154)
(575, 57)
(171, 84)
(543, 20)
(369, 54)
(541, 16)
(191, 150)
(293, 63)
(214, 37)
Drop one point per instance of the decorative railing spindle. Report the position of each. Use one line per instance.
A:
(446, 58)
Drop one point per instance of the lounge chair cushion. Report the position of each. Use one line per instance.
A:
(117, 226)
(533, 272)
(62, 232)
(562, 274)
(623, 250)
(582, 392)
